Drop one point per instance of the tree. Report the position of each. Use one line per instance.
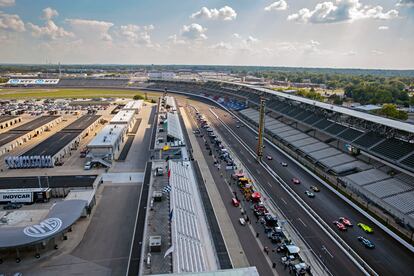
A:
(391, 111)
(138, 97)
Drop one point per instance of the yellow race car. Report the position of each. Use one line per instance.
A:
(366, 228)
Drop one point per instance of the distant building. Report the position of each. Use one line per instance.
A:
(161, 75)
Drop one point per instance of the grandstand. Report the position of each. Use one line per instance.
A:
(346, 143)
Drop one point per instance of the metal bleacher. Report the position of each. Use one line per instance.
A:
(368, 140)
(394, 149)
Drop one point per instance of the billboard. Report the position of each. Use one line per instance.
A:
(26, 197)
(33, 81)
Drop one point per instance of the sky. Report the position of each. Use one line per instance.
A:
(299, 33)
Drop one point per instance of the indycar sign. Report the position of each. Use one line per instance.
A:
(33, 81)
(23, 197)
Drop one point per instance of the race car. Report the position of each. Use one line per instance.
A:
(340, 226)
(315, 189)
(295, 180)
(367, 243)
(346, 221)
(269, 157)
(309, 194)
(366, 228)
(284, 164)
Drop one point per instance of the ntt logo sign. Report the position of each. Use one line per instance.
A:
(45, 228)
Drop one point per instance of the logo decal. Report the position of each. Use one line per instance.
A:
(45, 228)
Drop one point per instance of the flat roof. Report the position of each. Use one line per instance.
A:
(107, 136)
(135, 105)
(5, 118)
(34, 124)
(52, 145)
(60, 181)
(7, 137)
(84, 194)
(81, 123)
(123, 117)
(174, 126)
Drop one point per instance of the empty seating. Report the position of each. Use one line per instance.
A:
(394, 148)
(335, 129)
(322, 124)
(350, 134)
(368, 139)
(409, 161)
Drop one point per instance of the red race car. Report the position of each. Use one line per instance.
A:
(340, 226)
(295, 180)
(345, 221)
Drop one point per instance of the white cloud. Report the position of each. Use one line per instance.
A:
(49, 13)
(349, 53)
(194, 32)
(341, 10)
(91, 29)
(50, 30)
(251, 39)
(174, 39)
(236, 35)
(226, 13)
(405, 3)
(7, 3)
(383, 28)
(277, 6)
(377, 52)
(11, 22)
(222, 46)
(137, 34)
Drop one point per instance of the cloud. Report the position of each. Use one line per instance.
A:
(236, 35)
(251, 39)
(222, 46)
(226, 13)
(406, 3)
(383, 28)
(7, 3)
(11, 22)
(174, 39)
(349, 53)
(340, 11)
(377, 52)
(137, 34)
(194, 32)
(50, 30)
(49, 13)
(91, 29)
(277, 6)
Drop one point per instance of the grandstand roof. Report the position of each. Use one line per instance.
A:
(354, 113)
(174, 126)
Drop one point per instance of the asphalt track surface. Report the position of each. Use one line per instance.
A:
(388, 258)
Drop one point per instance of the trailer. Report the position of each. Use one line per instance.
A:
(27, 196)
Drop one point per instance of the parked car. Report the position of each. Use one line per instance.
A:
(367, 243)
(12, 206)
(242, 221)
(88, 165)
(365, 228)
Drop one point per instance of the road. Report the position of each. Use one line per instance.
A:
(388, 258)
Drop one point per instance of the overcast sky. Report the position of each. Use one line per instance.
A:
(309, 33)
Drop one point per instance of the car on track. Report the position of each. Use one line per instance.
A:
(367, 243)
(295, 180)
(257, 137)
(242, 221)
(365, 228)
(269, 157)
(284, 164)
(315, 189)
(340, 226)
(346, 221)
(237, 126)
(309, 194)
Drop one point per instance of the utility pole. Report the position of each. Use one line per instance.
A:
(261, 129)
